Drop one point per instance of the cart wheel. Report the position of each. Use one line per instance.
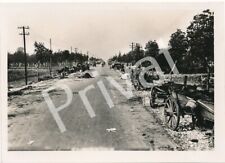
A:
(171, 113)
(152, 99)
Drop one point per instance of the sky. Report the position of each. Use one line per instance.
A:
(101, 29)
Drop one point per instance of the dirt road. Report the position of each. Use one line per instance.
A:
(126, 126)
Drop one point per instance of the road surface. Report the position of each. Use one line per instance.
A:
(132, 126)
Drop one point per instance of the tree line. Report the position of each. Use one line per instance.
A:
(192, 50)
(43, 55)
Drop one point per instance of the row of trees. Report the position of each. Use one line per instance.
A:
(192, 50)
(42, 56)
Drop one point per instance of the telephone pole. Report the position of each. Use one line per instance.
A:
(132, 46)
(24, 44)
(50, 59)
(76, 50)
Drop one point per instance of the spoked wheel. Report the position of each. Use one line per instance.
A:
(153, 97)
(171, 113)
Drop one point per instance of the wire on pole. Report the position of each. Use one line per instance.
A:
(24, 33)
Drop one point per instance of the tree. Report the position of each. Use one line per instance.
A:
(42, 53)
(200, 34)
(10, 59)
(178, 46)
(152, 49)
(119, 59)
(19, 56)
(138, 52)
(66, 55)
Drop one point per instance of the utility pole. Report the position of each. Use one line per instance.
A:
(50, 59)
(24, 44)
(76, 50)
(87, 55)
(71, 49)
(132, 46)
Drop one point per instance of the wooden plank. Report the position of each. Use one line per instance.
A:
(206, 110)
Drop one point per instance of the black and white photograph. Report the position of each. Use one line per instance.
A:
(110, 76)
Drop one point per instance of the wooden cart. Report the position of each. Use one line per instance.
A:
(179, 104)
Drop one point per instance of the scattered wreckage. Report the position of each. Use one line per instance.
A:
(63, 72)
(188, 100)
(178, 99)
(79, 71)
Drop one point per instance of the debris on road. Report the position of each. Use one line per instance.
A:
(131, 110)
(15, 92)
(125, 76)
(10, 86)
(18, 91)
(194, 140)
(111, 129)
(45, 78)
(209, 133)
(30, 142)
(146, 101)
(86, 75)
